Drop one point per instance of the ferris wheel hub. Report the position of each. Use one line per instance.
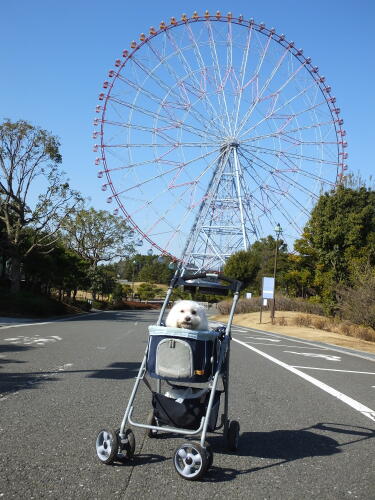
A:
(230, 143)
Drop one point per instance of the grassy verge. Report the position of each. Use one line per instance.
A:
(329, 325)
(29, 305)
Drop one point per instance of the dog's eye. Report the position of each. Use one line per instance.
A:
(182, 310)
(193, 312)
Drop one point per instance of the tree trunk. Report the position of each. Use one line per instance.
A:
(15, 274)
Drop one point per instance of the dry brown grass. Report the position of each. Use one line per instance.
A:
(282, 321)
(321, 329)
(336, 326)
(302, 320)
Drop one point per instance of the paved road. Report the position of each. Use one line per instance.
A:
(307, 430)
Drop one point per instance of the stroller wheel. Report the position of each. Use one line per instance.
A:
(210, 454)
(107, 445)
(127, 450)
(151, 421)
(191, 461)
(233, 435)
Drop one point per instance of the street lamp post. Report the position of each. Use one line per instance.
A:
(134, 266)
(278, 231)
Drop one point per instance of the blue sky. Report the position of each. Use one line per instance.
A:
(56, 55)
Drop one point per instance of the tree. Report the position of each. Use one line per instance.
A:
(34, 193)
(249, 266)
(147, 291)
(97, 236)
(61, 269)
(146, 268)
(339, 236)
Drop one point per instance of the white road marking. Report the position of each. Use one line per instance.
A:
(288, 345)
(264, 338)
(36, 339)
(331, 347)
(67, 318)
(367, 412)
(328, 357)
(332, 370)
(25, 324)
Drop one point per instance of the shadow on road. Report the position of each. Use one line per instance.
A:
(141, 459)
(286, 446)
(116, 371)
(145, 316)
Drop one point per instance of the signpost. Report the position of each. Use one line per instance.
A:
(268, 292)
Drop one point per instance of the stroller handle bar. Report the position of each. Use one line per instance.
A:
(235, 284)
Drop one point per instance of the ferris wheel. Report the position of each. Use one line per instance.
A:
(210, 130)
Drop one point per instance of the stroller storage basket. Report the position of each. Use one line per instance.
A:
(180, 354)
(186, 414)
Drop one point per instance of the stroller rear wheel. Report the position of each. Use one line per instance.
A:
(233, 435)
(126, 450)
(191, 461)
(151, 421)
(210, 454)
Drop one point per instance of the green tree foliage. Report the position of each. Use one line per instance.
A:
(146, 268)
(34, 193)
(97, 237)
(102, 281)
(61, 269)
(249, 266)
(339, 236)
(148, 291)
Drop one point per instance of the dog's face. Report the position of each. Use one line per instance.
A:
(187, 314)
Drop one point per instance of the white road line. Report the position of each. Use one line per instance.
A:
(331, 347)
(332, 370)
(19, 325)
(328, 357)
(264, 338)
(367, 412)
(286, 345)
(25, 324)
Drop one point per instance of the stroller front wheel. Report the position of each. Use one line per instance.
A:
(191, 461)
(107, 445)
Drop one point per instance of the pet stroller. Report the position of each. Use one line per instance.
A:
(194, 367)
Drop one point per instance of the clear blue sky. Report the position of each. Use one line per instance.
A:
(55, 56)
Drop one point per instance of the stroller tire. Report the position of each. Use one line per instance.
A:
(151, 421)
(210, 454)
(233, 435)
(126, 451)
(107, 445)
(191, 461)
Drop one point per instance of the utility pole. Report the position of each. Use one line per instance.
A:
(278, 231)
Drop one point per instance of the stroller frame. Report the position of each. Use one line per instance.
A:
(121, 443)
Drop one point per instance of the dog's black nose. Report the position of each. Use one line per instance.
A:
(187, 318)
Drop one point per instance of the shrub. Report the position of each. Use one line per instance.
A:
(321, 323)
(282, 304)
(302, 320)
(281, 321)
(358, 304)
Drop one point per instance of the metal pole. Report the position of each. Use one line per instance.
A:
(274, 287)
(278, 231)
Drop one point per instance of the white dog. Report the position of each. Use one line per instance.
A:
(187, 314)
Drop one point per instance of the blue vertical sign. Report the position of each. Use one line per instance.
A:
(268, 288)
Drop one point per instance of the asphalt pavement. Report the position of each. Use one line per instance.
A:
(305, 409)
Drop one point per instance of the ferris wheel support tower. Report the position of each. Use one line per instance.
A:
(222, 225)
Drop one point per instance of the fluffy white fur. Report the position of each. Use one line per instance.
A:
(187, 314)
